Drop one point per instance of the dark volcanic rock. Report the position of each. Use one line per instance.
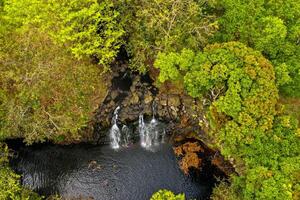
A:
(136, 94)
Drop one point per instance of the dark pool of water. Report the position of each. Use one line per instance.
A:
(104, 174)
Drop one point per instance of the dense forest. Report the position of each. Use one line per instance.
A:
(240, 58)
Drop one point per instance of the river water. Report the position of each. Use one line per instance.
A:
(101, 173)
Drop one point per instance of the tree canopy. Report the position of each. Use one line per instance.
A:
(271, 27)
(168, 25)
(86, 27)
(46, 93)
(244, 122)
(237, 57)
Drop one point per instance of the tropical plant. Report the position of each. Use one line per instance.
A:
(45, 93)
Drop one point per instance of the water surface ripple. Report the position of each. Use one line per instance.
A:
(101, 173)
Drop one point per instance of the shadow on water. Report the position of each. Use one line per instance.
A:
(99, 172)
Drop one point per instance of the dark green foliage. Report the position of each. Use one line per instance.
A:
(272, 27)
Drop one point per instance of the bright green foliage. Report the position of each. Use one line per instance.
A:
(269, 165)
(86, 27)
(45, 93)
(165, 25)
(272, 27)
(167, 195)
(10, 188)
(241, 86)
(91, 28)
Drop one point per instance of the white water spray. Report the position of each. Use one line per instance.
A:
(126, 135)
(115, 133)
(142, 130)
(163, 136)
(151, 134)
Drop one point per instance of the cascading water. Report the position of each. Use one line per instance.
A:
(126, 135)
(142, 130)
(115, 133)
(163, 136)
(150, 133)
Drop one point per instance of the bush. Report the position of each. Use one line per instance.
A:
(167, 195)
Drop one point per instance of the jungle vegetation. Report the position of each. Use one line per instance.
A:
(240, 57)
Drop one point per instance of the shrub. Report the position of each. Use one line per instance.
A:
(167, 195)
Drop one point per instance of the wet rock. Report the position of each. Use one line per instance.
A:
(189, 156)
(174, 111)
(163, 102)
(174, 101)
(114, 94)
(134, 94)
(134, 99)
(148, 98)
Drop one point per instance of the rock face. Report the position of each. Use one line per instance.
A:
(136, 94)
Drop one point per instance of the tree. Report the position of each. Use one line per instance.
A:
(271, 27)
(46, 94)
(86, 27)
(168, 25)
(244, 123)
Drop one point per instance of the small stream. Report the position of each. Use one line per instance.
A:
(99, 172)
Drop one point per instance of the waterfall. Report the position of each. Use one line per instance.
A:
(150, 132)
(115, 133)
(153, 129)
(142, 130)
(153, 110)
(163, 136)
(126, 135)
